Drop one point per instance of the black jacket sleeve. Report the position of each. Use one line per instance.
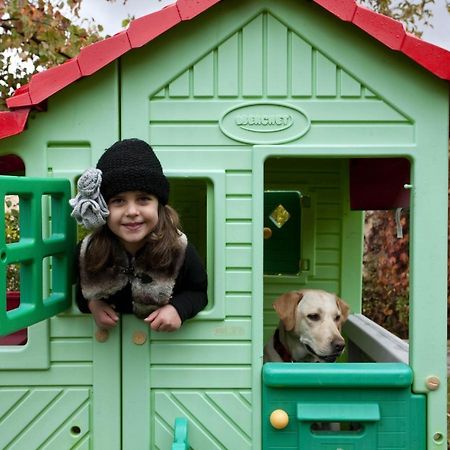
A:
(190, 290)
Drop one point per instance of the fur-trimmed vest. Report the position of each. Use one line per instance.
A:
(150, 289)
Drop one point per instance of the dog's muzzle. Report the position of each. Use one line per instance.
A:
(327, 358)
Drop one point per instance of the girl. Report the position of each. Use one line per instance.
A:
(136, 260)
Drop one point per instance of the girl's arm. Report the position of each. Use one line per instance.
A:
(104, 315)
(190, 291)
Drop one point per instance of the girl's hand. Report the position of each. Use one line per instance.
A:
(165, 318)
(104, 315)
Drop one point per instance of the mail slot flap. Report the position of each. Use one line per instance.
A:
(338, 412)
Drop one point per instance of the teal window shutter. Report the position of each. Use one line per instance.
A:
(282, 232)
(38, 300)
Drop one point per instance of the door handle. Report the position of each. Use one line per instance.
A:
(139, 337)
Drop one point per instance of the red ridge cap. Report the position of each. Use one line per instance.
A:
(344, 9)
(383, 28)
(46, 83)
(191, 8)
(146, 28)
(101, 53)
(433, 58)
(21, 97)
(392, 33)
(13, 122)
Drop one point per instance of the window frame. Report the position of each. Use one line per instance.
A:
(215, 239)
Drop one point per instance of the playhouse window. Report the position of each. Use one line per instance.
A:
(380, 187)
(191, 198)
(12, 165)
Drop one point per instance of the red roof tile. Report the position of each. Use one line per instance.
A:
(141, 31)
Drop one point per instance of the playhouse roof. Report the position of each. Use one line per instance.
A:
(142, 30)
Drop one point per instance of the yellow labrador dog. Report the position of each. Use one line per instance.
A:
(309, 328)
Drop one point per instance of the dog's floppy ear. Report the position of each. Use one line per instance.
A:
(285, 306)
(344, 308)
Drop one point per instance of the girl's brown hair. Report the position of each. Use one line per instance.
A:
(160, 251)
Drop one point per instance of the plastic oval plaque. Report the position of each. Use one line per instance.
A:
(264, 123)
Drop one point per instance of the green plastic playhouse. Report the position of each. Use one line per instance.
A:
(317, 110)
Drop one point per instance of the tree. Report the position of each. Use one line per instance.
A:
(36, 35)
(386, 271)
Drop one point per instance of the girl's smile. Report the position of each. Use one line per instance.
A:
(133, 215)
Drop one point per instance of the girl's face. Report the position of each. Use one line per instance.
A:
(133, 215)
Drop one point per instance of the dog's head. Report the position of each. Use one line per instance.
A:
(315, 318)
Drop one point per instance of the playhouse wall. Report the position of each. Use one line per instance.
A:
(70, 387)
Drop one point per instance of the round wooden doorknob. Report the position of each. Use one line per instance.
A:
(279, 419)
(101, 335)
(267, 233)
(139, 337)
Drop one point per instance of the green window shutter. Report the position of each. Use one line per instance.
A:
(44, 203)
(282, 231)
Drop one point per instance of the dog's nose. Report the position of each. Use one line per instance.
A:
(338, 346)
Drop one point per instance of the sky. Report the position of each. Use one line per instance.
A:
(440, 33)
(110, 15)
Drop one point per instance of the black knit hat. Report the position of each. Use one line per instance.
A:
(131, 165)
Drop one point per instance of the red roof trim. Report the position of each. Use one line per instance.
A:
(46, 83)
(188, 9)
(385, 29)
(344, 9)
(13, 122)
(433, 58)
(147, 28)
(141, 31)
(94, 57)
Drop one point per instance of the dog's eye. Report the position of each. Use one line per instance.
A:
(313, 317)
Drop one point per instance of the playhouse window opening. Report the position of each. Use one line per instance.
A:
(46, 201)
(47, 269)
(81, 232)
(12, 165)
(12, 218)
(381, 188)
(192, 199)
(12, 303)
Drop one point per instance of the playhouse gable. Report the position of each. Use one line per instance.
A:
(245, 65)
(309, 71)
(145, 29)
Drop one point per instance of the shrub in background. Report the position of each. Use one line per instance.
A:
(386, 271)
(12, 234)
